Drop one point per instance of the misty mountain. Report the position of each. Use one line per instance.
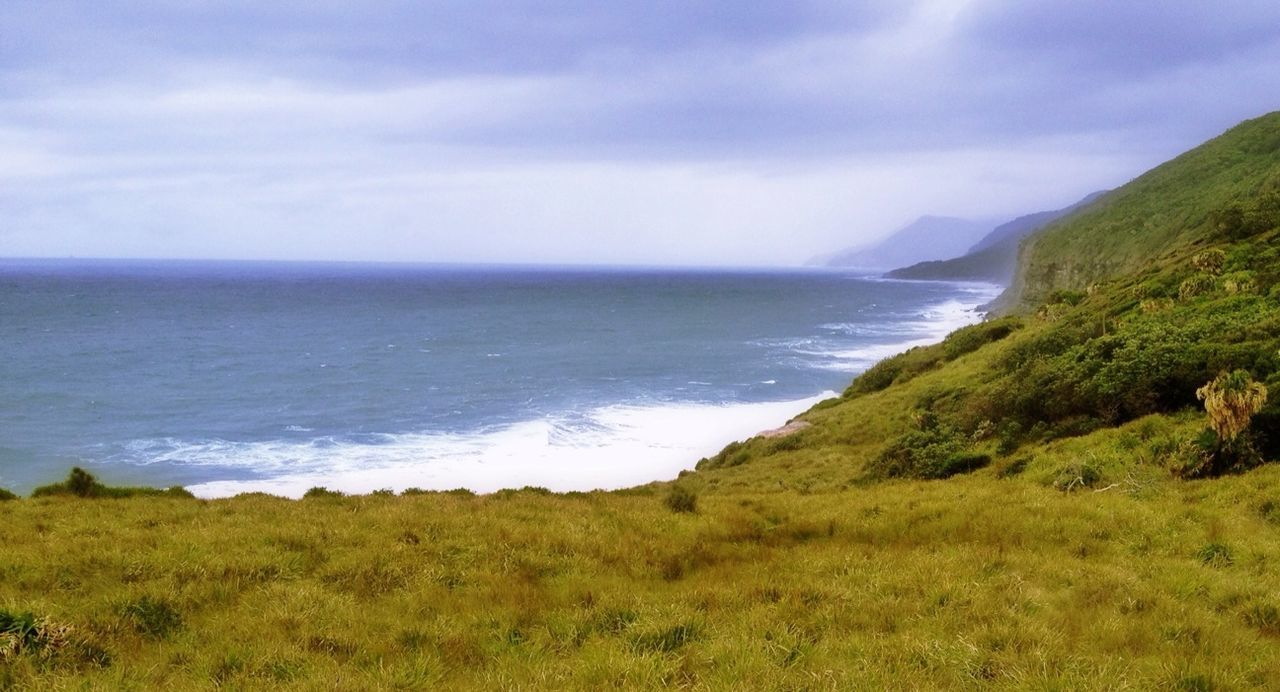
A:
(993, 258)
(926, 238)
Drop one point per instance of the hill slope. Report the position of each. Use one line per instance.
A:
(926, 238)
(1169, 208)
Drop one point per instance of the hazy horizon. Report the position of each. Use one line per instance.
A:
(577, 134)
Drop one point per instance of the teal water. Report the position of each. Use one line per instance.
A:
(228, 377)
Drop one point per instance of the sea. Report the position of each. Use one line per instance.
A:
(232, 377)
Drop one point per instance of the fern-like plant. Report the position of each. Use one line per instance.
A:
(1231, 400)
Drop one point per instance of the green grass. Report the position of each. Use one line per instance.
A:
(975, 580)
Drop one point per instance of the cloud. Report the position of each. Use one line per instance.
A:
(698, 133)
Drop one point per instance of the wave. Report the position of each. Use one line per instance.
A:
(926, 327)
(609, 447)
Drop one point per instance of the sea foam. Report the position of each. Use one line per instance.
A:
(610, 447)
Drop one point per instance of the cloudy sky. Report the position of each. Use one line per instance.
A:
(672, 132)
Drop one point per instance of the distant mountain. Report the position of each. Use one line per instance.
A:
(994, 258)
(926, 238)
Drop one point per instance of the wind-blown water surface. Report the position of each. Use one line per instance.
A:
(228, 377)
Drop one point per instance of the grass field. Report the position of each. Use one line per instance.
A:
(977, 581)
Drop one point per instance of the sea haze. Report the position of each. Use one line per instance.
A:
(231, 377)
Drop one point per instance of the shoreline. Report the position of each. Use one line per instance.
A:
(611, 447)
(506, 467)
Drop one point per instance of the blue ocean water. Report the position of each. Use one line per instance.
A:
(228, 377)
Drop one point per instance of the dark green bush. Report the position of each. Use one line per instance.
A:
(22, 627)
(681, 499)
(320, 492)
(899, 368)
(1207, 456)
(875, 378)
(969, 339)
(1007, 437)
(1013, 467)
(152, 617)
(734, 454)
(81, 483)
(964, 462)
(6, 496)
(1215, 555)
(934, 449)
(1077, 476)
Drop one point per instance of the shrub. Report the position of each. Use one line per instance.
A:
(1215, 555)
(899, 368)
(1075, 476)
(81, 483)
(152, 617)
(964, 462)
(18, 633)
(1013, 467)
(5, 495)
(1231, 400)
(681, 499)
(1193, 458)
(1210, 261)
(1230, 222)
(969, 339)
(1197, 285)
(933, 450)
(734, 454)
(876, 377)
(320, 492)
(1240, 282)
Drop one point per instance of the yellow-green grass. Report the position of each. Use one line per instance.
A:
(977, 581)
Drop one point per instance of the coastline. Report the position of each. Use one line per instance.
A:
(610, 443)
(651, 443)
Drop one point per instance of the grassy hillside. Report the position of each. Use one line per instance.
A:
(1214, 186)
(1034, 502)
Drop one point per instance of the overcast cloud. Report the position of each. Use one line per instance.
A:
(647, 132)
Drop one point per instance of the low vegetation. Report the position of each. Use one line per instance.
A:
(976, 580)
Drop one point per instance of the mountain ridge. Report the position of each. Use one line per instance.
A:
(994, 258)
(928, 237)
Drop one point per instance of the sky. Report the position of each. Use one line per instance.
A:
(659, 132)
